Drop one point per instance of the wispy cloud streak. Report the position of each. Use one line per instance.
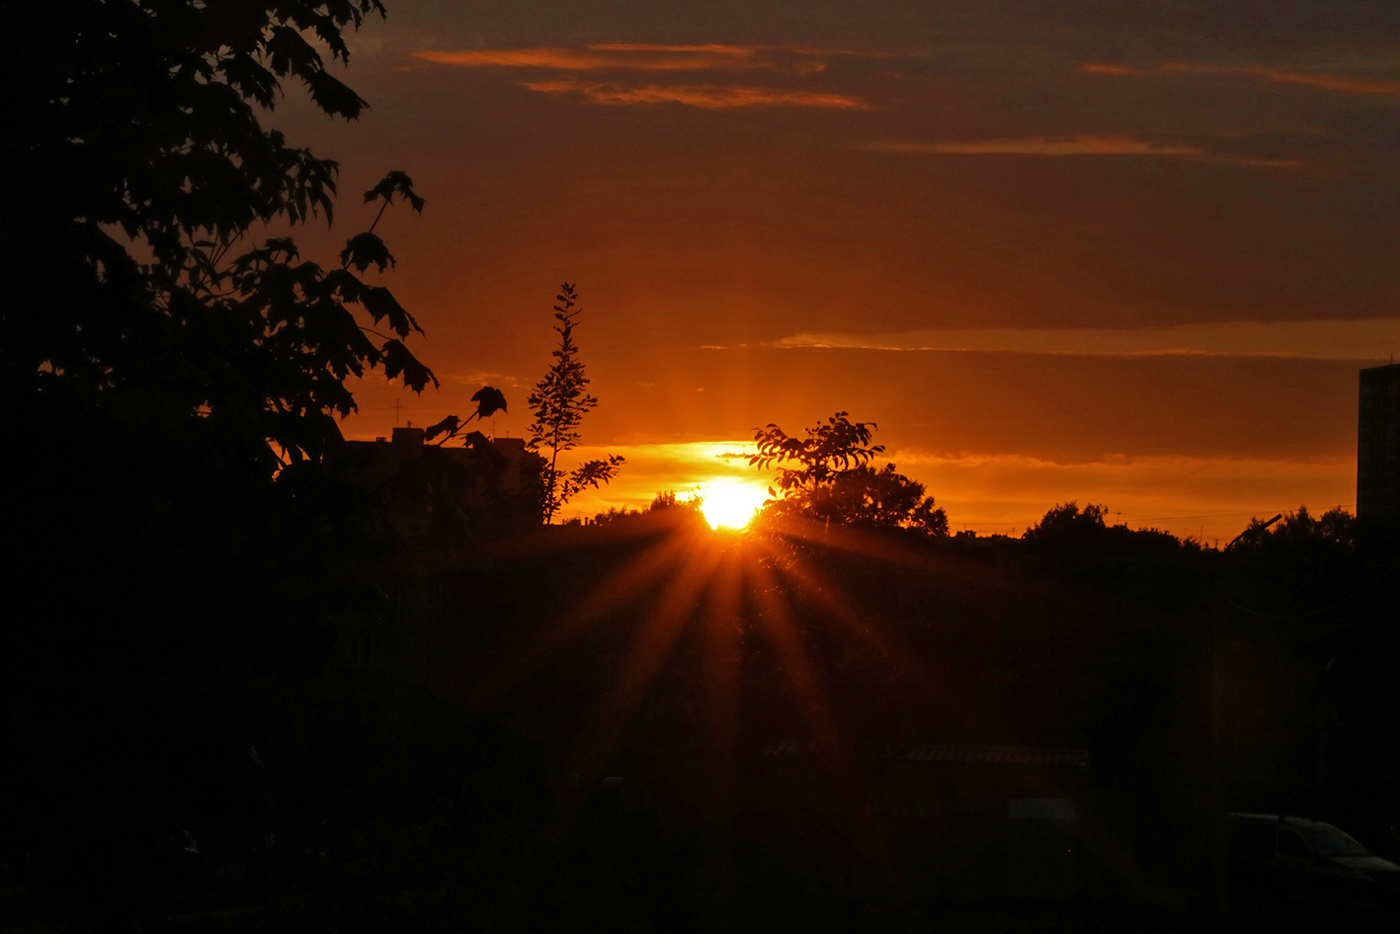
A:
(708, 96)
(648, 56)
(1321, 81)
(603, 57)
(715, 47)
(484, 378)
(1062, 146)
(625, 58)
(1042, 146)
(1362, 339)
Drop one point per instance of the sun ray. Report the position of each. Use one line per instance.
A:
(662, 627)
(941, 684)
(722, 645)
(625, 585)
(898, 660)
(677, 608)
(658, 636)
(803, 681)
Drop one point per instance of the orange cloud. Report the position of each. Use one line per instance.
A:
(708, 96)
(1355, 339)
(1322, 81)
(659, 57)
(1066, 146)
(1098, 68)
(1043, 146)
(477, 378)
(639, 56)
(716, 48)
(1341, 84)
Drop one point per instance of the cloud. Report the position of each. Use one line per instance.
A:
(1360, 339)
(1322, 81)
(1041, 146)
(610, 56)
(708, 96)
(647, 56)
(1099, 68)
(1068, 146)
(625, 57)
(483, 378)
(1341, 84)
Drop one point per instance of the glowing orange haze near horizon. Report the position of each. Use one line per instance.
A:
(1209, 493)
(1140, 268)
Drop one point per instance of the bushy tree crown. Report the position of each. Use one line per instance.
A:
(831, 479)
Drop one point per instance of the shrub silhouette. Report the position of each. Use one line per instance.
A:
(831, 480)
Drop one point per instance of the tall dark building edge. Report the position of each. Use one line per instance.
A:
(1378, 441)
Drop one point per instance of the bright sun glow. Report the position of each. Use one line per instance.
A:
(731, 505)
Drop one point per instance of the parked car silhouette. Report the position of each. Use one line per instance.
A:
(1293, 861)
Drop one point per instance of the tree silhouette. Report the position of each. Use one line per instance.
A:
(559, 403)
(175, 372)
(1077, 545)
(1299, 532)
(145, 165)
(832, 480)
(1065, 521)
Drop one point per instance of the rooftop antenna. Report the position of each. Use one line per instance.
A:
(396, 413)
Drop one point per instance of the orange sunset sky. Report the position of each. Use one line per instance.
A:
(1128, 253)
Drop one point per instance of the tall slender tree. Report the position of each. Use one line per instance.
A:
(559, 402)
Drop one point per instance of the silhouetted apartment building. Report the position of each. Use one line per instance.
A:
(1378, 441)
(434, 494)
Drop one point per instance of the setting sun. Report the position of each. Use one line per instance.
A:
(731, 505)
